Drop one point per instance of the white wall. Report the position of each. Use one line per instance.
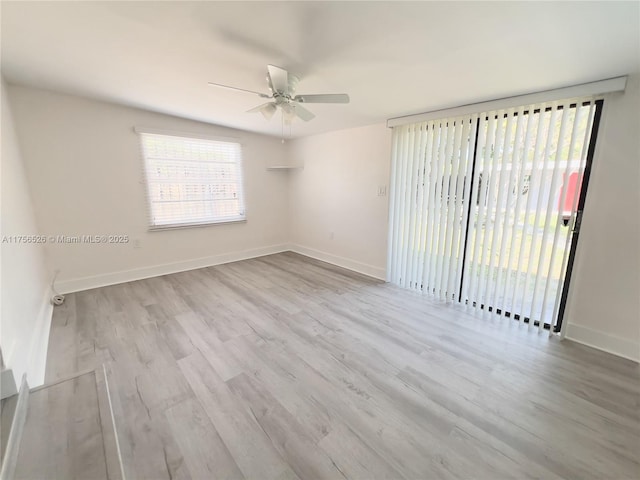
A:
(336, 214)
(85, 170)
(603, 309)
(24, 279)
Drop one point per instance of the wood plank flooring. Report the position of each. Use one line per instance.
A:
(283, 367)
(63, 435)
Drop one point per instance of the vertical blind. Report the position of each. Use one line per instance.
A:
(430, 179)
(482, 206)
(192, 181)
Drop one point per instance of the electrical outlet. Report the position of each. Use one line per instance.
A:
(382, 190)
(331, 235)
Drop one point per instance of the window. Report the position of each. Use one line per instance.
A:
(192, 181)
(503, 244)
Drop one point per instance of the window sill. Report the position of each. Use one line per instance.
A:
(159, 228)
(284, 167)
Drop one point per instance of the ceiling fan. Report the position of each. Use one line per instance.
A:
(282, 86)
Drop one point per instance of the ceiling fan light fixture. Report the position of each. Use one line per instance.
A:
(288, 113)
(282, 87)
(268, 111)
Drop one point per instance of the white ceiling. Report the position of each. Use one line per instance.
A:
(392, 58)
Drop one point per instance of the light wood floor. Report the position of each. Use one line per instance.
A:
(284, 367)
(62, 418)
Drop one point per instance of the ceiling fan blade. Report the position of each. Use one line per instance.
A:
(323, 98)
(303, 113)
(278, 79)
(266, 109)
(262, 95)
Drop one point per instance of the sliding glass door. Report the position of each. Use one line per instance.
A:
(484, 207)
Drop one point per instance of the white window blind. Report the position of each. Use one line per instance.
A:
(192, 181)
(482, 206)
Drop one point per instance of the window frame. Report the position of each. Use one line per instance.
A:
(151, 227)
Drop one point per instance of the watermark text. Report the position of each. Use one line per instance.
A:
(66, 239)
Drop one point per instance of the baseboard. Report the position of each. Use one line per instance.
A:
(123, 276)
(12, 448)
(602, 341)
(40, 342)
(365, 269)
